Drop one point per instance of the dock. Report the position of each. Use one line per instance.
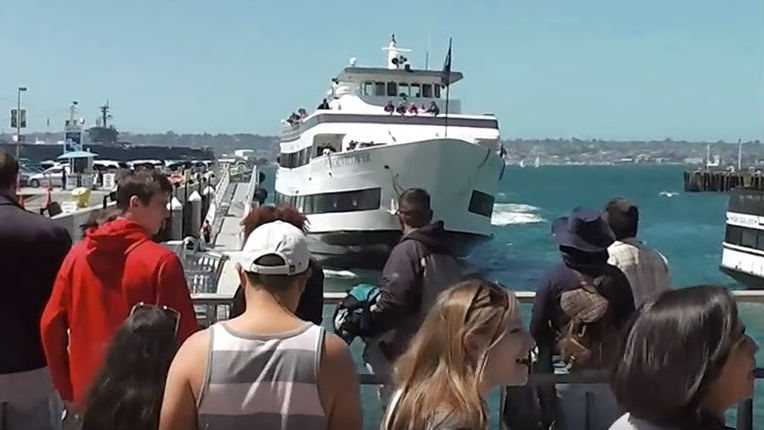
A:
(721, 181)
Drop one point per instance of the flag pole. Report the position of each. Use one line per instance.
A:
(446, 77)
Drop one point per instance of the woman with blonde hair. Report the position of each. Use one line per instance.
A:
(473, 340)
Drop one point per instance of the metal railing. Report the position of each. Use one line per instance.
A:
(217, 307)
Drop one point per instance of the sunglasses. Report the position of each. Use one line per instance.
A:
(489, 294)
(169, 312)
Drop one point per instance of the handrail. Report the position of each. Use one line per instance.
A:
(524, 297)
(250, 191)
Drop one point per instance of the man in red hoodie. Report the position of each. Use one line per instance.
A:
(116, 266)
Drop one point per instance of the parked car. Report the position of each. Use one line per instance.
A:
(53, 176)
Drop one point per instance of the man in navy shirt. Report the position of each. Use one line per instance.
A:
(583, 238)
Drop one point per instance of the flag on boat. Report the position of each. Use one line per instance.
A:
(445, 74)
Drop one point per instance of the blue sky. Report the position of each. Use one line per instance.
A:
(650, 69)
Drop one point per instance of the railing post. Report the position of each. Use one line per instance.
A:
(745, 415)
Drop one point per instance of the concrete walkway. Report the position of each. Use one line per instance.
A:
(228, 240)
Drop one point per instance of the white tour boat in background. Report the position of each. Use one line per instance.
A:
(346, 164)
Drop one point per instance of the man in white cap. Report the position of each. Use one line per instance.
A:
(265, 368)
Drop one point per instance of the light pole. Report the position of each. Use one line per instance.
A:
(18, 120)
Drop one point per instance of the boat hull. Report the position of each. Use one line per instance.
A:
(350, 198)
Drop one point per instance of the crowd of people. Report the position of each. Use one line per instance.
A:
(105, 330)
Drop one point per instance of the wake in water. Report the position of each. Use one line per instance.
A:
(515, 213)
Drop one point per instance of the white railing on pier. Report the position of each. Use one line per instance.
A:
(251, 187)
(222, 185)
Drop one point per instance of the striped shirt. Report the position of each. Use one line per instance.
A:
(646, 269)
(263, 382)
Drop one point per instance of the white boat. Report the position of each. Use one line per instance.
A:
(345, 166)
(743, 245)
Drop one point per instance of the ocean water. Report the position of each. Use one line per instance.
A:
(687, 227)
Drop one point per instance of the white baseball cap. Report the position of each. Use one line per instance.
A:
(276, 238)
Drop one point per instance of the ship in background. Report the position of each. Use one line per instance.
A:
(103, 139)
(380, 131)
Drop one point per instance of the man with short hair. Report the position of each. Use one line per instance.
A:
(645, 267)
(265, 368)
(419, 267)
(32, 248)
(116, 266)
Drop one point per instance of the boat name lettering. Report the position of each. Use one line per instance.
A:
(745, 219)
(347, 160)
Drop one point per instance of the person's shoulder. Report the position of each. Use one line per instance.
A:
(24, 222)
(155, 251)
(197, 344)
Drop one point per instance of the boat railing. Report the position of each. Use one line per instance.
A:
(212, 307)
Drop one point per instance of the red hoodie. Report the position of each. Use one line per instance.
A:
(102, 277)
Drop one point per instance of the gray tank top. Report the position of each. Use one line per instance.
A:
(263, 382)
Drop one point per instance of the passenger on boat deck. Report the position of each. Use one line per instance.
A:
(128, 391)
(685, 361)
(409, 284)
(302, 113)
(311, 304)
(401, 108)
(472, 341)
(390, 107)
(580, 308)
(324, 105)
(645, 267)
(433, 109)
(413, 109)
(32, 248)
(265, 369)
(116, 266)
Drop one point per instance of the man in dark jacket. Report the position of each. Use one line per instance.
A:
(32, 248)
(417, 270)
(583, 238)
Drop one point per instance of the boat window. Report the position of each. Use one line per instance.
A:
(414, 90)
(733, 234)
(379, 88)
(392, 89)
(748, 202)
(403, 90)
(748, 238)
(436, 89)
(368, 88)
(481, 203)
(427, 90)
(345, 201)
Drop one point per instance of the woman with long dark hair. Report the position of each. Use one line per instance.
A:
(127, 393)
(686, 360)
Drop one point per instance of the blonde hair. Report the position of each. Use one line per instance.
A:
(437, 373)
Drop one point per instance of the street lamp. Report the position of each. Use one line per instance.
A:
(18, 120)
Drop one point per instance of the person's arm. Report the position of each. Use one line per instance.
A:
(311, 305)
(539, 325)
(541, 331)
(53, 331)
(624, 298)
(172, 291)
(401, 276)
(179, 403)
(338, 386)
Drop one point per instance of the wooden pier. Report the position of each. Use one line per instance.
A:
(721, 181)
